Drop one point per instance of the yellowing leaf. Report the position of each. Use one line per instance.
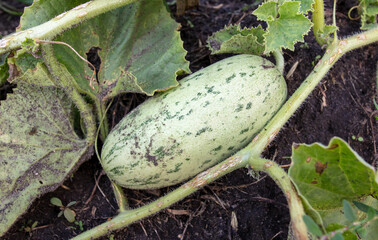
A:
(38, 147)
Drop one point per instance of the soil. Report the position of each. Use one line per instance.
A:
(342, 105)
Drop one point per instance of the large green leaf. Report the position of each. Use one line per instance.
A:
(326, 175)
(38, 147)
(141, 50)
(286, 23)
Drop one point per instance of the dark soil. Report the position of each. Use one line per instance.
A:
(342, 105)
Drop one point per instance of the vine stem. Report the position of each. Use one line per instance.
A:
(49, 30)
(127, 217)
(250, 155)
(332, 54)
(103, 120)
(281, 178)
(318, 20)
(101, 113)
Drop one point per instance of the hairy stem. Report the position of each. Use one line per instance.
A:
(318, 21)
(280, 177)
(127, 217)
(49, 30)
(62, 78)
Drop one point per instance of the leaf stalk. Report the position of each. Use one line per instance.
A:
(280, 177)
(62, 78)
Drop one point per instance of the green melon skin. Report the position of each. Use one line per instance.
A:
(179, 133)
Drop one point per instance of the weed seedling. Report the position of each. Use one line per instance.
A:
(28, 227)
(360, 139)
(68, 213)
(80, 225)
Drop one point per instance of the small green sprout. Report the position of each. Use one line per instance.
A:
(376, 104)
(360, 139)
(305, 46)
(28, 227)
(80, 224)
(68, 213)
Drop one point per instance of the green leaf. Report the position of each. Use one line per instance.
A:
(312, 227)
(34, 224)
(233, 39)
(371, 213)
(337, 236)
(138, 46)
(348, 211)
(286, 26)
(325, 175)
(38, 147)
(369, 232)
(70, 215)
(56, 201)
(362, 233)
(348, 235)
(364, 208)
(266, 11)
(306, 5)
(327, 31)
(38, 76)
(369, 12)
(288, 29)
(71, 204)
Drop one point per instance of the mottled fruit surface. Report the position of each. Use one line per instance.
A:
(179, 133)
